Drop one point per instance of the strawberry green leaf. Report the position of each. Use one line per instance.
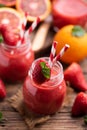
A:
(1, 116)
(78, 31)
(45, 70)
(46, 73)
(85, 119)
(2, 5)
(2, 120)
(1, 39)
(43, 64)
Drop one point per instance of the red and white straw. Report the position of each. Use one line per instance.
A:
(61, 52)
(32, 27)
(52, 54)
(22, 29)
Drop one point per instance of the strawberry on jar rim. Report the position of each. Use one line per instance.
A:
(9, 37)
(41, 72)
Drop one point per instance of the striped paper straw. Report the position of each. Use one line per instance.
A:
(22, 29)
(52, 54)
(32, 27)
(61, 52)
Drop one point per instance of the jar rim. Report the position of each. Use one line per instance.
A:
(57, 64)
(14, 47)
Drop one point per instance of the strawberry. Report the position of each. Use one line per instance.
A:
(79, 107)
(75, 76)
(41, 72)
(10, 38)
(2, 90)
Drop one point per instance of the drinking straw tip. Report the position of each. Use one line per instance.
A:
(55, 43)
(26, 14)
(67, 45)
(38, 19)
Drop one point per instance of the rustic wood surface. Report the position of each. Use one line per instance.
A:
(60, 121)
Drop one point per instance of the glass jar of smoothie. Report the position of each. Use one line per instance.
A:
(48, 97)
(15, 61)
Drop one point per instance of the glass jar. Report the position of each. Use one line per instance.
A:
(15, 61)
(46, 98)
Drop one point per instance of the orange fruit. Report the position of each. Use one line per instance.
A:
(41, 8)
(8, 2)
(78, 43)
(10, 16)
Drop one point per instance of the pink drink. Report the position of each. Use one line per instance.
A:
(48, 97)
(15, 62)
(66, 12)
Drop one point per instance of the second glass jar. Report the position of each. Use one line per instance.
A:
(15, 61)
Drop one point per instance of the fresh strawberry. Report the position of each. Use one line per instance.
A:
(2, 90)
(75, 76)
(41, 72)
(10, 38)
(79, 107)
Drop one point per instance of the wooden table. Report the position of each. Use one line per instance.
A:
(59, 121)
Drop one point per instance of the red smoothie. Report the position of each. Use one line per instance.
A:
(46, 98)
(15, 62)
(69, 12)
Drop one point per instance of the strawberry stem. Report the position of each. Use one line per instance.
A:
(1, 116)
(2, 120)
(1, 39)
(2, 5)
(85, 119)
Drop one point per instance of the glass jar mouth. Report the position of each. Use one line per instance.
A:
(6, 46)
(56, 65)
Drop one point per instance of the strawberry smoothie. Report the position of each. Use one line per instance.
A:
(15, 61)
(45, 98)
(66, 12)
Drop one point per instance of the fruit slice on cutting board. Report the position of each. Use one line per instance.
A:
(8, 2)
(41, 8)
(10, 16)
